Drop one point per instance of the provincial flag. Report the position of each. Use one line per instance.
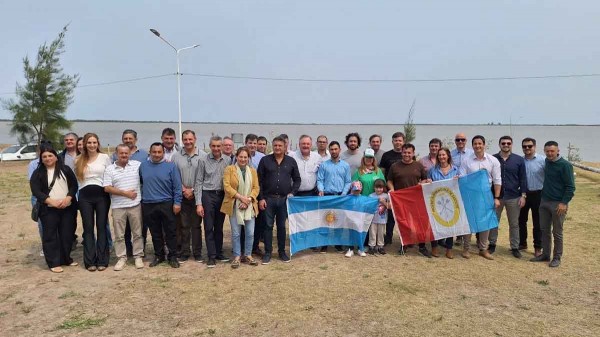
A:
(445, 208)
(329, 220)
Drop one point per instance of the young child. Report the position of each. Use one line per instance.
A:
(377, 229)
(355, 189)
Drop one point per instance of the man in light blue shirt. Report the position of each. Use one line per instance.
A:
(333, 177)
(461, 152)
(534, 166)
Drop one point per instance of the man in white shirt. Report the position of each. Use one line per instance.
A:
(169, 144)
(322, 144)
(122, 181)
(308, 165)
(480, 160)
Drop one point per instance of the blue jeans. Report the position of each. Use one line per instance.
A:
(235, 235)
(276, 211)
(33, 201)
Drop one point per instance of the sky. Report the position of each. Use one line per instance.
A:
(334, 40)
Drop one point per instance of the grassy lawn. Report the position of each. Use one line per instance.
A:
(314, 295)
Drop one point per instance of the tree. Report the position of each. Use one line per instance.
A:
(41, 104)
(410, 130)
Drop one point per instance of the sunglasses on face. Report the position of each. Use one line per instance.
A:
(528, 146)
(506, 143)
(460, 139)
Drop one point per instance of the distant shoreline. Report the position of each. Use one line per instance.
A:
(242, 123)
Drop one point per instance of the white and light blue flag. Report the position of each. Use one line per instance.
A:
(329, 220)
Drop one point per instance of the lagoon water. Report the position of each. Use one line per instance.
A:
(581, 137)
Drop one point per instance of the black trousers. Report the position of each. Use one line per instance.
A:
(213, 222)
(532, 202)
(389, 227)
(57, 235)
(94, 205)
(161, 220)
(189, 230)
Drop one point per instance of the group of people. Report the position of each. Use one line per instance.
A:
(172, 190)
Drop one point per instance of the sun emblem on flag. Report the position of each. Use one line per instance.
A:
(330, 217)
(444, 206)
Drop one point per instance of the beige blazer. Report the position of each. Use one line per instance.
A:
(230, 185)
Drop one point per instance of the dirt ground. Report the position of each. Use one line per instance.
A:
(314, 295)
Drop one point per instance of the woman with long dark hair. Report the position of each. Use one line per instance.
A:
(94, 202)
(54, 185)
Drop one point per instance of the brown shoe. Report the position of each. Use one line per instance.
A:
(537, 252)
(486, 254)
(435, 252)
(251, 261)
(449, 254)
(466, 254)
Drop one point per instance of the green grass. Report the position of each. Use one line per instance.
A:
(68, 294)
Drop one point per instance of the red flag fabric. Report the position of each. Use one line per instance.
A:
(410, 212)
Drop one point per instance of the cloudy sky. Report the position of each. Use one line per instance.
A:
(390, 47)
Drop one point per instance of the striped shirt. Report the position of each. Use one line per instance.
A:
(188, 166)
(124, 178)
(209, 176)
(534, 168)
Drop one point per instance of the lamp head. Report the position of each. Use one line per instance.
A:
(155, 32)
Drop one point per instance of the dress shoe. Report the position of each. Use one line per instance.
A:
(435, 252)
(449, 254)
(156, 261)
(486, 254)
(540, 258)
(516, 253)
(425, 252)
(174, 263)
(554, 263)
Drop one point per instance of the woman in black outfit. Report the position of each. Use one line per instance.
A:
(57, 210)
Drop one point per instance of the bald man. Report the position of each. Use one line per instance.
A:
(461, 152)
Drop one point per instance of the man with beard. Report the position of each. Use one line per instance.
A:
(387, 159)
(375, 144)
(352, 155)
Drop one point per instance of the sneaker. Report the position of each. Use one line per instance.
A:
(323, 250)
(283, 257)
(211, 263)
(350, 253)
(425, 252)
(516, 253)
(182, 259)
(540, 258)
(222, 258)
(371, 251)
(198, 259)
(381, 251)
(139, 263)
(120, 265)
(91, 268)
(554, 263)
(492, 249)
(174, 263)
(362, 253)
(266, 259)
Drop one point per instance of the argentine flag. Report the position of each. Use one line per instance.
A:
(329, 220)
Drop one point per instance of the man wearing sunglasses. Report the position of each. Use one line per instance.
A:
(534, 167)
(513, 194)
(461, 152)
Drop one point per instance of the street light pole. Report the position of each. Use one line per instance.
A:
(177, 51)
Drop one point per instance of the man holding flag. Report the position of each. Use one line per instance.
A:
(480, 160)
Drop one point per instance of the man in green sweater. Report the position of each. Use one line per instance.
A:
(558, 190)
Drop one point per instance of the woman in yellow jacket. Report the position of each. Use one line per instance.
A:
(240, 182)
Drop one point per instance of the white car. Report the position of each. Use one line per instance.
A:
(19, 152)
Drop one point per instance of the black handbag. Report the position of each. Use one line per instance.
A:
(35, 210)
